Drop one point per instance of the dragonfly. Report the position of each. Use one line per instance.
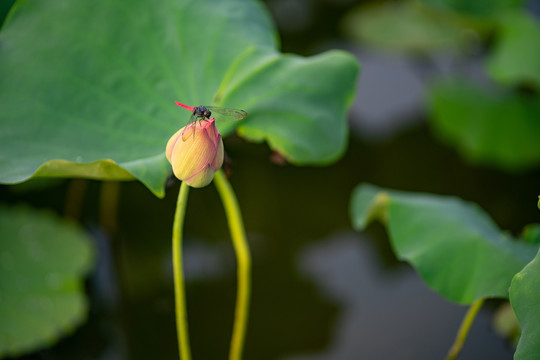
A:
(206, 113)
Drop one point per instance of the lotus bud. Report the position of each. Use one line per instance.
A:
(196, 152)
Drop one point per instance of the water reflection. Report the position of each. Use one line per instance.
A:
(203, 261)
(389, 98)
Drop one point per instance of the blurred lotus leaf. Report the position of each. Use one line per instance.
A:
(478, 8)
(43, 260)
(407, 27)
(515, 59)
(496, 128)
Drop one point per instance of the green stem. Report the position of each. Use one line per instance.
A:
(179, 294)
(236, 226)
(464, 329)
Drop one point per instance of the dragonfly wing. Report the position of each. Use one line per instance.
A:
(224, 114)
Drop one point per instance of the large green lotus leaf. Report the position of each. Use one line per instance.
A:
(453, 245)
(486, 127)
(87, 87)
(405, 27)
(478, 8)
(42, 263)
(525, 300)
(516, 57)
(300, 119)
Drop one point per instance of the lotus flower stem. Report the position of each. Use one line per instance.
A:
(464, 329)
(179, 293)
(236, 226)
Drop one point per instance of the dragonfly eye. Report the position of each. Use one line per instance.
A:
(207, 114)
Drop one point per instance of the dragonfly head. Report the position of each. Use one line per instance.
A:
(202, 112)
